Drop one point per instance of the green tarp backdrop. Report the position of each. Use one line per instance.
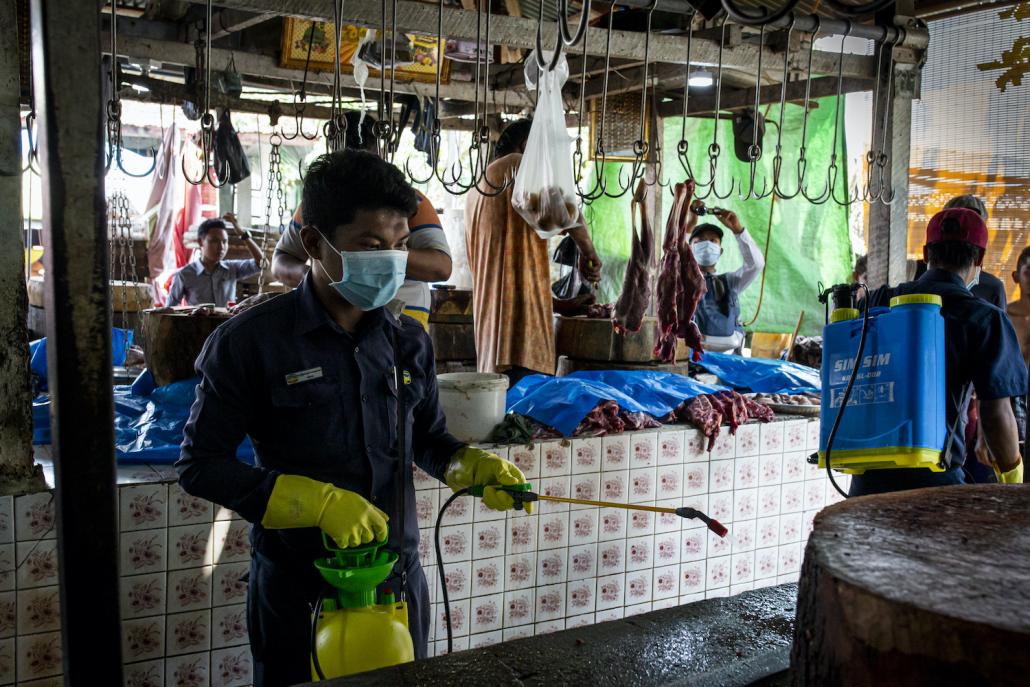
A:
(809, 242)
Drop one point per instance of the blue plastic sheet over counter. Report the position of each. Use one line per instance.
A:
(762, 375)
(563, 402)
(121, 339)
(148, 421)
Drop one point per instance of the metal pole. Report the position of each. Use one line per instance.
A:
(17, 474)
(888, 224)
(66, 56)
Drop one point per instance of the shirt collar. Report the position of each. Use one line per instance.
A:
(198, 266)
(311, 314)
(938, 275)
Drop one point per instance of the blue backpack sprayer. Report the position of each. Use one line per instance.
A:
(885, 366)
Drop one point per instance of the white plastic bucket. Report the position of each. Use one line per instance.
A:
(473, 403)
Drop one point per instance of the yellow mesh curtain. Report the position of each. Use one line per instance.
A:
(971, 130)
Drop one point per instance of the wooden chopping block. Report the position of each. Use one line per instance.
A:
(923, 587)
(126, 296)
(584, 338)
(173, 340)
(453, 341)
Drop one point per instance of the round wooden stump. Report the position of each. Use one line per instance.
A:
(926, 587)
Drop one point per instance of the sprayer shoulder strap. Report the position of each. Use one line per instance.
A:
(960, 410)
(401, 478)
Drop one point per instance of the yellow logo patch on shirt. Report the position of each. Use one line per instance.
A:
(304, 376)
(407, 378)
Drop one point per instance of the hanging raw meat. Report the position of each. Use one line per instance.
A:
(680, 282)
(702, 414)
(731, 405)
(636, 285)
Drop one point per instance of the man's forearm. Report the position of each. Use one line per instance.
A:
(255, 250)
(581, 237)
(428, 265)
(288, 269)
(1000, 432)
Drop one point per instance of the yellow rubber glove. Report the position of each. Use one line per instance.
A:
(345, 516)
(476, 467)
(1013, 476)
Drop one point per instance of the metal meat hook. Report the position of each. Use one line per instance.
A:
(832, 170)
(683, 147)
(600, 188)
(435, 140)
(641, 147)
(300, 99)
(778, 157)
(114, 112)
(207, 125)
(887, 196)
(754, 151)
(713, 149)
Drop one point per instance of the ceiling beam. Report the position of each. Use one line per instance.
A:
(172, 52)
(741, 98)
(228, 22)
(518, 32)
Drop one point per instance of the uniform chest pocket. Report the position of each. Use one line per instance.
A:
(304, 395)
(414, 388)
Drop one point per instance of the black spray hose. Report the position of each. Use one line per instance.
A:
(314, 633)
(439, 567)
(847, 392)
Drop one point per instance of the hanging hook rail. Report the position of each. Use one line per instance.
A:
(763, 17)
(114, 112)
(300, 99)
(713, 149)
(209, 173)
(538, 54)
(481, 144)
(754, 151)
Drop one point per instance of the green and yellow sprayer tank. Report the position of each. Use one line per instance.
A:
(355, 631)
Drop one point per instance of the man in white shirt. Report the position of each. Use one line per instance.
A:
(718, 314)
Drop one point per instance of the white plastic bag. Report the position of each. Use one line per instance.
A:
(545, 189)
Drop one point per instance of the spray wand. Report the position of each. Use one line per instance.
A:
(523, 494)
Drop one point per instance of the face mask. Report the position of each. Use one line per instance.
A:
(707, 253)
(371, 278)
(976, 279)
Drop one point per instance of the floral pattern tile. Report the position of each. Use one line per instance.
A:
(229, 584)
(189, 589)
(231, 667)
(143, 507)
(37, 563)
(39, 656)
(144, 674)
(39, 610)
(228, 626)
(34, 517)
(186, 509)
(188, 671)
(189, 546)
(188, 632)
(143, 595)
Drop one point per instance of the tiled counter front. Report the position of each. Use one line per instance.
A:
(509, 575)
(564, 566)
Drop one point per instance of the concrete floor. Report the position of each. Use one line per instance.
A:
(741, 640)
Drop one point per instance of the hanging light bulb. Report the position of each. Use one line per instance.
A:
(701, 79)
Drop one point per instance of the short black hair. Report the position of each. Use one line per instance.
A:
(707, 226)
(1024, 256)
(861, 264)
(207, 225)
(513, 138)
(956, 255)
(339, 184)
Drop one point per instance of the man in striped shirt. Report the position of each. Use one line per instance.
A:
(429, 256)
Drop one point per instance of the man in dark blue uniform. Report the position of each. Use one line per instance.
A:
(310, 377)
(981, 354)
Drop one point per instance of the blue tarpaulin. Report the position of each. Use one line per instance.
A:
(121, 339)
(148, 421)
(563, 402)
(761, 375)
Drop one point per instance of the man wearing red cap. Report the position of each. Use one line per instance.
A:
(981, 354)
